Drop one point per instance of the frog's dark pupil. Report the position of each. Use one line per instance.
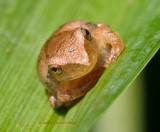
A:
(54, 69)
(87, 32)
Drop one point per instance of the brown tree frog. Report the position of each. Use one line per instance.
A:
(74, 58)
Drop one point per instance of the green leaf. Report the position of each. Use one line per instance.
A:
(24, 28)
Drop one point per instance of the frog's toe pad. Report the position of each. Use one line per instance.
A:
(54, 101)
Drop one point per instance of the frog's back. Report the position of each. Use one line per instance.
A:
(66, 45)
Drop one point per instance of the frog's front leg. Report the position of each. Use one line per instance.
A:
(68, 91)
(55, 102)
(113, 40)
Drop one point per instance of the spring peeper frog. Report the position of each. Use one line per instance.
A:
(74, 58)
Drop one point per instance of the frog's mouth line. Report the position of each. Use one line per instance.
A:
(73, 89)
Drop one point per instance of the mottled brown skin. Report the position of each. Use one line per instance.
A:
(74, 58)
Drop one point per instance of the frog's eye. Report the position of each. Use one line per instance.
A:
(56, 69)
(86, 34)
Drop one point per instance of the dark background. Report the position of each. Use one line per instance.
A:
(152, 77)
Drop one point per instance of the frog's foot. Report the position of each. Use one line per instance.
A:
(114, 53)
(54, 101)
(111, 38)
